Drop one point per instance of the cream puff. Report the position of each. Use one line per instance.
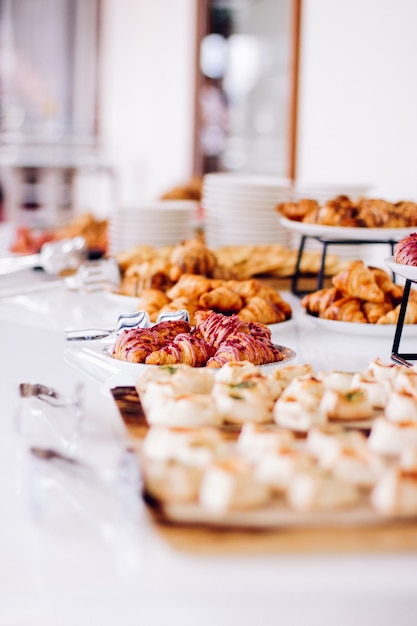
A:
(317, 491)
(256, 439)
(392, 438)
(247, 401)
(192, 446)
(280, 378)
(184, 411)
(345, 406)
(396, 493)
(171, 481)
(338, 380)
(377, 390)
(298, 413)
(401, 407)
(276, 468)
(231, 485)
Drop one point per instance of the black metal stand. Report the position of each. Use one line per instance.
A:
(325, 243)
(402, 359)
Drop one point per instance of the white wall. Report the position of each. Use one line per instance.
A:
(147, 87)
(358, 94)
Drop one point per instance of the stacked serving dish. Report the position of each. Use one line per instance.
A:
(240, 209)
(155, 223)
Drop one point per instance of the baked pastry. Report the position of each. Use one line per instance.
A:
(396, 493)
(192, 257)
(401, 407)
(152, 301)
(192, 286)
(337, 380)
(347, 309)
(318, 301)
(241, 347)
(377, 391)
(261, 310)
(317, 490)
(184, 411)
(257, 439)
(358, 281)
(221, 299)
(348, 405)
(405, 252)
(246, 401)
(192, 446)
(184, 348)
(231, 485)
(215, 328)
(135, 344)
(373, 312)
(392, 316)
(298, 413)
(276, 468)
(392, 438)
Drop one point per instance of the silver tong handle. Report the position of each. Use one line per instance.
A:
(17, 263)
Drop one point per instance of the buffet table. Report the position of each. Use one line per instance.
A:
(70, 558)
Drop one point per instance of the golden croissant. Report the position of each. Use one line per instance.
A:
(358, 281)
(374, 311)
(221, 299)
(345, 310)
(392, 316)
(185, 348)
(318, 301)
(152, 301)
(261, 310)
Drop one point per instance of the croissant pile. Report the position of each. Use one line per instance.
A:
(248, 299)
(216, 339)
(343, 211)
(361, 294)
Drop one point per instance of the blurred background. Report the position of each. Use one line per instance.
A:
(106, 102)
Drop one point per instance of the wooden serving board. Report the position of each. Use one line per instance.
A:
(202, 537)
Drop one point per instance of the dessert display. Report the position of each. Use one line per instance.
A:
(214, 340)
(405, 252)
(276, 466)
(342, 211)
(361, 294)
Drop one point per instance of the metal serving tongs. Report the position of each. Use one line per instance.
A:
(101, 275)
(137, 319)
(54, 257)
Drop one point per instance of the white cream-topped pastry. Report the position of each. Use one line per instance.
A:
(237, 371)
(298, 413)
(317, 491)
(377, 390)
(395, 493)
(350, 405)
(195, 446)
(231, 485)
(276, 468)
(247, 401)
(183, 378)
(304, 386)
(184, 411)
(279, 379)
(322, 441)
(401, 407)
(171, 480)
(406, 381)
(391, 438)
(383, 371)
(338, 380)
(255, 440)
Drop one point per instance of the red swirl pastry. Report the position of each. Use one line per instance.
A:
(135, 344)
(185, 348)
(405, 251)
(215, 328)
(244, 347)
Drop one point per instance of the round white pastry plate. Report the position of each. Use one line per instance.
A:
(137, 368)
(406, 271)
(365, 330)
(346, 233)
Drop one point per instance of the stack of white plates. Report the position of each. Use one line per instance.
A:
(156, 223)
(240, 209)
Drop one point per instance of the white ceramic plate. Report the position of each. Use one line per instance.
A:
(97, 354)
(365, 330)
(406, 271)
(344, 233)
